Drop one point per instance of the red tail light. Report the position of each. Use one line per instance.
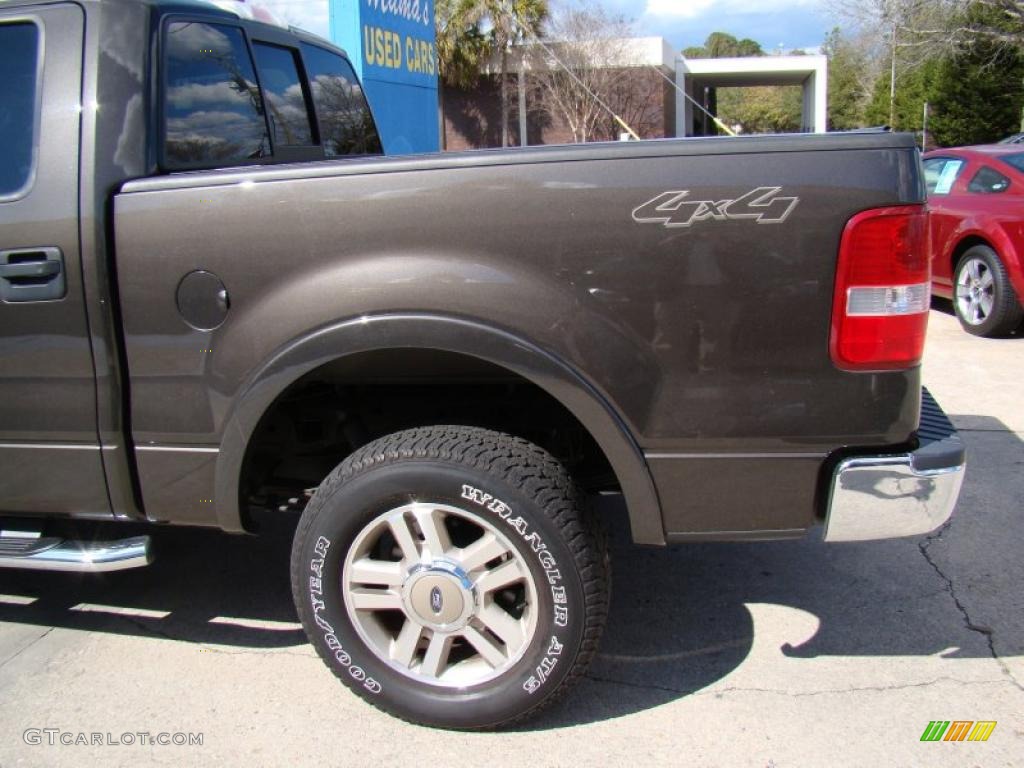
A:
(883, 291)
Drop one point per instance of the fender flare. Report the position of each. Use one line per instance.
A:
(449, 334)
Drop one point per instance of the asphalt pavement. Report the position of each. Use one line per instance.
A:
(774, 654)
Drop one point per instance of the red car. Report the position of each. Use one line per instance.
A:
(976, 202)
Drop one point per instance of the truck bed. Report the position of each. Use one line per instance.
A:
(708, 338)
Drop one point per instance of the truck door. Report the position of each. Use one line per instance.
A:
(50, 458)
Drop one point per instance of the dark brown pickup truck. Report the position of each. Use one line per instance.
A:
(217, 299)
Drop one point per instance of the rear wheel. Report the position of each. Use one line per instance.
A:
(984, 300)
(451, 576)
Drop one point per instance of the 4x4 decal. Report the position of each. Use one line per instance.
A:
(675, 209)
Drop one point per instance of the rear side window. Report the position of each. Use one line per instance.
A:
(213, 111)
(988, 181)
(19, 60)
(1014, 161)
(286, 104)
(346, 125)
(940, 173)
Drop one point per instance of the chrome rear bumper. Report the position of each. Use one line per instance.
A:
(908, 494)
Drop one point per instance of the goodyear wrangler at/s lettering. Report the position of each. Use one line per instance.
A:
(451, 576)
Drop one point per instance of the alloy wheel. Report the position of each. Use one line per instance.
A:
(440, 594)
(975, 291)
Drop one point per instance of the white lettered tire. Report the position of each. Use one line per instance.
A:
(451, 576)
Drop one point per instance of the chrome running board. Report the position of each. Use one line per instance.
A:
(20, 549)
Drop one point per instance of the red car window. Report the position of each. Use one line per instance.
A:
(988, 181)
(1014, 161)
(940, 173)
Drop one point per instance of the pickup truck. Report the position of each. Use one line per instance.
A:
(218, 299)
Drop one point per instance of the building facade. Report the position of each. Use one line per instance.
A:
(644, 81)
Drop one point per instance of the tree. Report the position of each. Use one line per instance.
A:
(965, 58)
(997, 22)
(848, 88)
(461, 49)
(905, 111)
(511, 22)
(639, 99)
(722, 45)
(470, 31)
(587, 70)
(762, 109)
(979, 90)
(907, 33)
(461, 46)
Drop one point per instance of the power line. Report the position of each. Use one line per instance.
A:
(610, 111)
(693, 101)
(571, 74)
(576, 79)
(583, 85)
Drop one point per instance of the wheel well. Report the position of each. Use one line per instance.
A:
(961, 248)
(333, 410)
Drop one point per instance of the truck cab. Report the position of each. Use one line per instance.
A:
(216, 88)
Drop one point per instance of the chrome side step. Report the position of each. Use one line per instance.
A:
(31, 551)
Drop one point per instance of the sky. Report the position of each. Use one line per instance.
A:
(787, 24)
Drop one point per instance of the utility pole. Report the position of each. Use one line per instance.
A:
(522, 101)
(892, 81)
(924, 129)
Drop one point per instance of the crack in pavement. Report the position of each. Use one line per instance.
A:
(717, 692)
(20, 651)
(987, 632)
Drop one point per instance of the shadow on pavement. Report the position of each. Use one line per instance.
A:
(679, 619)
(213, 587)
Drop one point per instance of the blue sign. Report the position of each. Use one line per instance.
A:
(392, 45)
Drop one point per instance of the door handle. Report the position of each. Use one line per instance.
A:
(30, 269)
(32, 274)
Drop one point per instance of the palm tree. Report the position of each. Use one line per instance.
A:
(468, 30)
(461, 46)
(512, 22)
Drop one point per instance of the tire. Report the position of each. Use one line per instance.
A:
(451, 577)
(983, 298)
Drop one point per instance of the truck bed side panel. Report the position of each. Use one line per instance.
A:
(710, 341)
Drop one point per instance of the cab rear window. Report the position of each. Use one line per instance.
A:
(19, 62)
(346, 125)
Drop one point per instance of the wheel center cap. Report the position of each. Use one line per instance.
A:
(438, 596)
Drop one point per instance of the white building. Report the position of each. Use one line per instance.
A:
(809, 72)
